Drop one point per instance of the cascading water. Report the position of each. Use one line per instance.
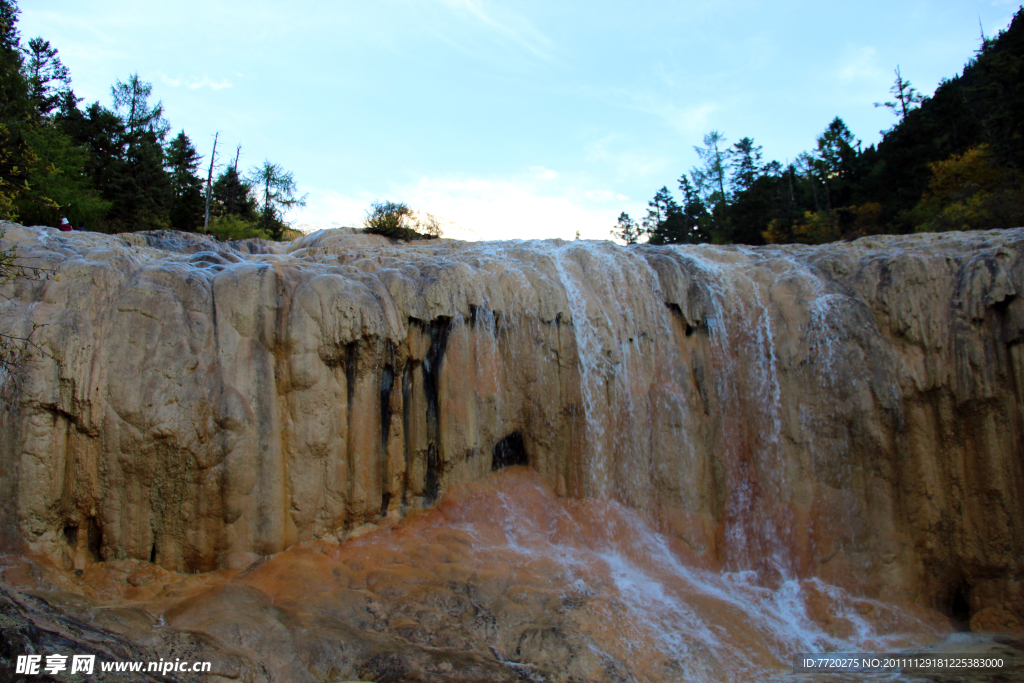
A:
(619, 339)
(726, 460)
(734, 286)
(702, 624)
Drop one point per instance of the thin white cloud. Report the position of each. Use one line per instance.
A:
(196, 83)
(622, 159)
(542, 173)
(692, 119)
(860, 63)
(605, 196)
(511, 27)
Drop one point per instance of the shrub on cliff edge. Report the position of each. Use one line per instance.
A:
(396, 220)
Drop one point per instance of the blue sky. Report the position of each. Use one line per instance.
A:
(531, 119)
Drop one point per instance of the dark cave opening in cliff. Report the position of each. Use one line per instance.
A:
(959, 602)
(509, 451)
(95, 539)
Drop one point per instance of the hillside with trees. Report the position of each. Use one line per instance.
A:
(121, 169)
(953, 161)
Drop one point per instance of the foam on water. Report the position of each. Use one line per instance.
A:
(717, 626)
(639, 601)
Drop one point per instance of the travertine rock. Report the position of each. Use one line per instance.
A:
(499, 581)
(850, 412)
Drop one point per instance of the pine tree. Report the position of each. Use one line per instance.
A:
(186, 210)
(59, 174)
(688, 224)
(139, 117)
(662, 216)
(275, 189)
(907, 98)
(13, 92)
(697, 222)
(138, 184)
(48, 79)
(709, 182)
(101, 133)
(833, 164)
(745, 159)
(627, 229)
(15, 154)
(234, 195)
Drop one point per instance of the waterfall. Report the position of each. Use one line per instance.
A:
(615, 463)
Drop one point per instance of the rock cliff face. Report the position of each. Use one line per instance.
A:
(850, 412)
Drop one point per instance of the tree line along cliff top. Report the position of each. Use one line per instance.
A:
(120, 169)
(952, 161)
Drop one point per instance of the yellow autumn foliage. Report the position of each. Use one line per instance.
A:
(970, 191)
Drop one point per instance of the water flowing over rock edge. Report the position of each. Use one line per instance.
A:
(848, 412)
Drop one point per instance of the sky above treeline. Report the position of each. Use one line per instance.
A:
(524, 120)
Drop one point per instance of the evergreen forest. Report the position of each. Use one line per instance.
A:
(953, 161)
(121, 169)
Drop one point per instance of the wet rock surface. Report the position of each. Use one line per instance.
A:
(501, 581)
(848, 415)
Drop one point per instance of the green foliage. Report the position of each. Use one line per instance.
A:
(139, 118)
(275, 189)
(755, 192)
(15, 160)
(188, 206)
(232, 196)
(15, 154)
(397, 221)
(907, 97)
(387, 218)
(745, 160)
(109, 168)
(232, 227)
(100, 132)
(627, 229)
(983, 105)
(970, 192)
(48, 79)
(709, 181)
(59, 174)
(952, 161)
(819, 227)
(13, 89)
(138, 185)
(690, 223)
(661, 210)
(43, 174)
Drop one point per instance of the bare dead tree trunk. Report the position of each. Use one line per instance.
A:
(209, 181)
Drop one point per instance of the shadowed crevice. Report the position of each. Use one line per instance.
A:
(509, 451)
